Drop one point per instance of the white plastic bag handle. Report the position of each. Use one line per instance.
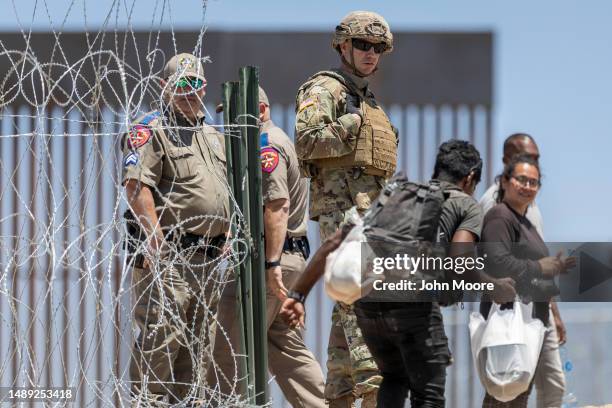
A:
(496, 307)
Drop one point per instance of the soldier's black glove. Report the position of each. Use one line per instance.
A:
(353, 105)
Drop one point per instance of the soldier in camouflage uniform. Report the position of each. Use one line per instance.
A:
(348, 148)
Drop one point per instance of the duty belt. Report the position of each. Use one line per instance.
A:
(211, 247)
(297, 244)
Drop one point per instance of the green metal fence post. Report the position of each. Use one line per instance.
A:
(249, 88)
(232, 135)
(241, 189)
(229, 119)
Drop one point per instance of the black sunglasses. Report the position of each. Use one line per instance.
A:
(364, 45)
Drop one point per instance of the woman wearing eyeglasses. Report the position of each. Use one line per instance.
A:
(515, 249)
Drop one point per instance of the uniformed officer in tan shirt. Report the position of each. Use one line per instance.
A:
(285, 198)
(174, 174)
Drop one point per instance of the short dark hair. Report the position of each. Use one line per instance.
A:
(455, 160)
(511, 140)
(509, 171)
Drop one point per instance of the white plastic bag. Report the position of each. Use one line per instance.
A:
(506, 348)
(343, 274)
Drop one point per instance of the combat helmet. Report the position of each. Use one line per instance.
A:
(364, 25)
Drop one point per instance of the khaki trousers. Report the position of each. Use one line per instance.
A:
(296, 371)
(174, 310)
(549, 379)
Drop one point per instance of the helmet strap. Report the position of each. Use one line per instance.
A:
(352, 66)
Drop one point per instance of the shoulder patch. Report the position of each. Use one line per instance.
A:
(149, 118)
(269, 159)
(139, 135)
(264, 139)
(306, 103)
(131, 159)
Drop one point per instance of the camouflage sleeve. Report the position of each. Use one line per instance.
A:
(322, 128)
(142, 156)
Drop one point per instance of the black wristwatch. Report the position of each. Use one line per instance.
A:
(272, 264)
(300, 297)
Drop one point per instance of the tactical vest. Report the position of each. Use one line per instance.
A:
(376, 145)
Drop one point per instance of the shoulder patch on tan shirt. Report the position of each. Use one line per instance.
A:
(269, 159)
(139, 135)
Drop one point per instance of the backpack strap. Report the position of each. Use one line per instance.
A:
(381, 201)
(434, 186)
(422, 193)
(397, 181)
(387, 192)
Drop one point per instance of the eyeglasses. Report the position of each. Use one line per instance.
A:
(364, 45)
(194, 83)
(527, 181)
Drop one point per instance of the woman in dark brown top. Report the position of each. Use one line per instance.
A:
(515, 249)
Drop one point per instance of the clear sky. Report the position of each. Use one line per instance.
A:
(553, 60)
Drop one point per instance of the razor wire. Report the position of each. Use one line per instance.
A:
(66, 287)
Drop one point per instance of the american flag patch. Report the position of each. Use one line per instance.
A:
(308, 102)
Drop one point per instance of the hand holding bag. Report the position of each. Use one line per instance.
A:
(506, 348)
(343, 274)
(344, 281)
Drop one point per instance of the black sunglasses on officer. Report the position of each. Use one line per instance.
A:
(364, 45)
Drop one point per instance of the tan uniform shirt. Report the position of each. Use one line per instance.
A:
(281, 176)
(323, 129)
(184, 166)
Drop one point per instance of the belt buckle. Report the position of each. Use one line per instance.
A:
(291, 243)
(191, 242)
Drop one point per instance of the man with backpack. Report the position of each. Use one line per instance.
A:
(407, 339)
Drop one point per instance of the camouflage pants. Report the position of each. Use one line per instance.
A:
(351, 369)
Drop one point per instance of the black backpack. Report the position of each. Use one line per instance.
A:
(405, 218)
